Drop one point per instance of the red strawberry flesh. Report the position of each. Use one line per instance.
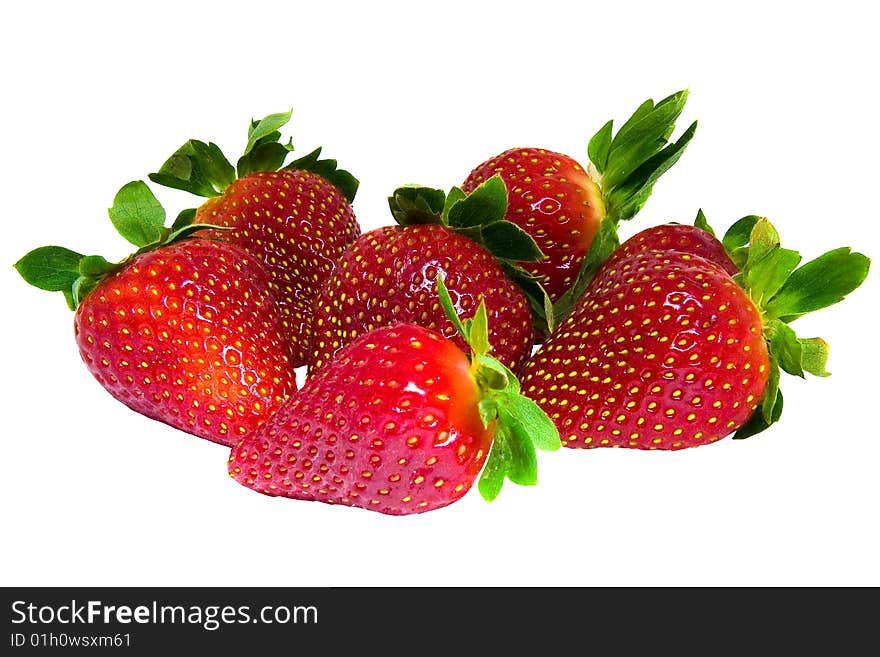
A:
(677, 237)
(296, 224)
(391, 424)
(189, 335)
(664, 351)
(555, 201)
(389, 275)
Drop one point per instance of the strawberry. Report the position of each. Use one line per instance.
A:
(294, 220)
(400, 422)
(554, 199)
(563, 205)
(389, 274)
(667, 350)
(185, 331)
(696, 240)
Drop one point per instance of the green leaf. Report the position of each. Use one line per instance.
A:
(786, 348)
(814, 356)
(600, 146)
(455, 195)
(137, 214)
(539, 301)
(757, 423)
(81, 288)
(702, 223)
(474, 233)
(449, 309)
(604, 243)
(488, 410)
(739, 233)
(764, 278)
(345, 182)
(265, 127)
(534, 422)
(797, 355)
(523, 466)
(52, 268)
(479, 331)
(736, 239)
(268, 156)
(496, 468)
(198, 168)
(641, 137)
(762, 240)
(770, 409)
(521, 427)
(328, 169)
(642, 111)
(624, 200)
(484, 205)
(491, 374)
(185, 218)
(95, 266)
(188, 230)
(818, 284)
(415, 204)
(264, 151)
(506, 240)
(767, 265)
(771, 394)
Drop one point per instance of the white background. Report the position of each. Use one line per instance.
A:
(99, 94)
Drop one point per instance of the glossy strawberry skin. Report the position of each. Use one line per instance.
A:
(664, 351)
(677, 237)
(389, 276)
(189, 335)
(555, 201)
(391, 425)
(296, 224)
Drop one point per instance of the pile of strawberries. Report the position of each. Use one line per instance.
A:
(492, 320)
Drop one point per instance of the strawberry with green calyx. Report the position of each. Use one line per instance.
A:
(480, 215)
(400, 422)
(572, 212)
(295, 219)
(185, 330)
(667, 350)
(388, 275)
(520, 425)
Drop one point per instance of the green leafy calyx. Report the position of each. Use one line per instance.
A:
(520, 426)
(327, 169)
(202, 169)
(198, 168)
(629, 162)
(603, 245)
(626, 165)
(783, 289)
(138, 217)
(479, 216)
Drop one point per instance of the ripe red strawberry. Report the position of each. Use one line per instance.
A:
(554, 199)
(389, 276)
(185, 331)
(400, 422)
(295, 220)
(695, 240)
(562, 204)
(666, 350)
